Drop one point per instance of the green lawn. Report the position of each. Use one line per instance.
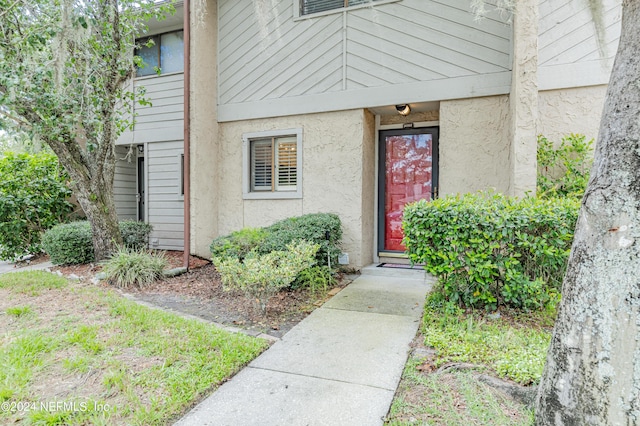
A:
(72, 353)
(512, 347)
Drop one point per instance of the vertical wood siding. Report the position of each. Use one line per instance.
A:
(165, 204)
(265, 54)
(125, 183)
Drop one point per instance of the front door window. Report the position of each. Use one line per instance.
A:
(408, 160)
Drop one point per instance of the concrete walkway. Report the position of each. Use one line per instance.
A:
(339, 366)
(11, 267)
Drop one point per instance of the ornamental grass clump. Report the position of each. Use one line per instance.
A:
(261, 276)
(127, 267)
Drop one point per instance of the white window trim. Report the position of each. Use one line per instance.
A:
(246, 166)
(297, 16)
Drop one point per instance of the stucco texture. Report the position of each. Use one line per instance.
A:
(335, 178)
(474, 145)
(565, 111)
(204, 129)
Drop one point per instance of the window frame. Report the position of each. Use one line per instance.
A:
(297, 9)
(158, 46)
(274, 194)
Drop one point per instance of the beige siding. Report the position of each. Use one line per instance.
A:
(165, 204)
(569, 52)
(422, 40)
(272, 63)
(125, 183)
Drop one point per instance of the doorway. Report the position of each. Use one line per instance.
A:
(408, 171)
(140, 194)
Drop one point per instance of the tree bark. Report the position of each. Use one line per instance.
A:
(592, 375)
(93, 188)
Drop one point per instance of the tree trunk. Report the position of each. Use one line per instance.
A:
(94, 192)
(592, 375)
(100, 209)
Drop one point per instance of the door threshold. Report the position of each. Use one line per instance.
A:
(399, 266)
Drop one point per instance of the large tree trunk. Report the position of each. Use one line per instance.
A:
(93, 188)
(592, 375)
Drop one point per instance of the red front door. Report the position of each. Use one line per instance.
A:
(408, 160)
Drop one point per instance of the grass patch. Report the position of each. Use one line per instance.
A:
(452, 399)
(513, 348)
(106, 360)
(31, 282)
(19, 311)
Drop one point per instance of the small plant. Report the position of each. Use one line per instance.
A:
(135, 234)
(564, 171)
(19, 311)
(238, 244)
(71, 243)
(317, 279)
(134, 267)
(262, 276)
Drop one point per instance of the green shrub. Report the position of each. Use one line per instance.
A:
(135, 235)
(262, 276)
(316, 278)
(72, 243)
(134, 267)
(564, 171)
(238, 244)
(33, 198)
(69, 243)
(310, 227)
(489, 250)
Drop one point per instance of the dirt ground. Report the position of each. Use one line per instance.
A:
(199, 292)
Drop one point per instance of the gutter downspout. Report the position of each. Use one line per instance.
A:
(187, 134)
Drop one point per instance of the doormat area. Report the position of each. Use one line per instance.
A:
(399, 266)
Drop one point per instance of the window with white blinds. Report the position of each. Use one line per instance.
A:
(308, 7)
(272, 165)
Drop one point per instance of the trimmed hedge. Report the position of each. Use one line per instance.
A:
(238, 244)
(490, 250)
(72, 243)
(310, 227)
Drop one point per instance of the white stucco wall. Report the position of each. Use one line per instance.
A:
(474, 145)
(575, 110)
(335, 178)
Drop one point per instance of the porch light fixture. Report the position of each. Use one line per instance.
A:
(403, 109)
(141, 148)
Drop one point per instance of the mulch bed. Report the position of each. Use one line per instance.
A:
(199, 292)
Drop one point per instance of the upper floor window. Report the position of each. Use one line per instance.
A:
(308, 7)
(165, 52)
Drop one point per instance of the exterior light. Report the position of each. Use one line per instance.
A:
(140, 149)
(403, 109)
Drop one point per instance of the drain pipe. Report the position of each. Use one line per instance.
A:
(187, 133)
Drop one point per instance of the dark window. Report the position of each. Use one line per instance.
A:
(164, 52)
(308, 7)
